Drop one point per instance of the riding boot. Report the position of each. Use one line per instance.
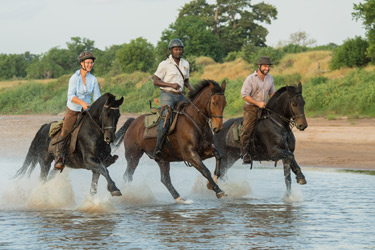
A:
(60, 155)
(245, 155)
(159, 143)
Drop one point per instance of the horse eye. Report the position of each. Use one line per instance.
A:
(213, 103)
(294, 104)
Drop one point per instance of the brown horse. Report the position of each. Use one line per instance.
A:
(191, 141)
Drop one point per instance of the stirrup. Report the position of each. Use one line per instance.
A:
(246, 159)
(59, 163)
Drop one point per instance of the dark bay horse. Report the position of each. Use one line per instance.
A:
(191, 141)
(273, 139)
(93, 144)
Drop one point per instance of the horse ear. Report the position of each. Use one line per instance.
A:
(223, 85)
(299, 87)
(111, 99)
(120, 101)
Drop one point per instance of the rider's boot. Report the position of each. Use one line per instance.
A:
(159, 143)
(59, 156)
(245, 155)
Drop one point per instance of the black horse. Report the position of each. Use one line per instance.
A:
(92, 150)
(273, 139)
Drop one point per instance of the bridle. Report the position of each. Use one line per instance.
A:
(96, 124)
(210, 115)
(292, 121)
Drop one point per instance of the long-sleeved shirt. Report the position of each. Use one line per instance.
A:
(257, 88)
(77, 88)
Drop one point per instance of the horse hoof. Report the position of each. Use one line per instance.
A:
(220, 195)
(116, 193)
(301, 181)
(209, 186)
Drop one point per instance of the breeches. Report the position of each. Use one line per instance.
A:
(69, 121)
(249, 119)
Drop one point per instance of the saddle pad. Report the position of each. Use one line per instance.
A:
(151, 120)
(150, 132)
(55, 127)
(233, 136)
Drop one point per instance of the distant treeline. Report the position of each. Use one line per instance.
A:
(352, 96)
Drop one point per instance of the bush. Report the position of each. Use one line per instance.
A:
(351, 54)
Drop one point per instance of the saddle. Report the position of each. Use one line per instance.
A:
(152, 120)
(232, 138)
(55, 131)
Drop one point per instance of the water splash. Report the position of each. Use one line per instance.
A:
(136, 194)
(96, 205)
(53, 194)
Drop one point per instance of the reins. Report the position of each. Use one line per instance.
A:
(291, 122)
(91, 119)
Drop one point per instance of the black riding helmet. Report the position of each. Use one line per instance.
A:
(85, 55)
(175, 43)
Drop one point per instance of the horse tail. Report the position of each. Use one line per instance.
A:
(120, 134)
(32, 155)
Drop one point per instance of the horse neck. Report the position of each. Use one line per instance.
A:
(199, 102)
(281, 106)
(95, 114)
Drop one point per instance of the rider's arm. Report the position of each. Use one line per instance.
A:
(159, 83)
(76, 100)
(249, 99)
(187, 84)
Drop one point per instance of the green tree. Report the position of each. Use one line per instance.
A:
(138, 55)
(198, 39)
(235, 22)
(13, 65)
(105, 60)
(366, 12)
(44, 68)
(351, 54)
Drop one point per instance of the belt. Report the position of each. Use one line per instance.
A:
(172, 92)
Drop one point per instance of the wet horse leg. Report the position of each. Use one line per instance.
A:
(297, 171)
(196, 161)
(132, 160)
(95, 166)
(217, 172)
(166, 179)
(288, 179)
(94, 183)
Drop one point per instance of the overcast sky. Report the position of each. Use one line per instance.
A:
(38, 25)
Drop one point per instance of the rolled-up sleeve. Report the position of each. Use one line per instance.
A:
(96, 93)
(72, 89)
(160, 72)
(246, 87)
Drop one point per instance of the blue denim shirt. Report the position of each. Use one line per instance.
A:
(76, 88)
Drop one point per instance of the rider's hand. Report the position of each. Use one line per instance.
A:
(176, 86)
(85, 106)
(261, 105)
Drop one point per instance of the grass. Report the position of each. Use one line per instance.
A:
(332, 94)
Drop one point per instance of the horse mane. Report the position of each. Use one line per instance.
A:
(202, 85)
(278, 93)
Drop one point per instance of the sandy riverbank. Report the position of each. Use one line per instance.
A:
(325, 143)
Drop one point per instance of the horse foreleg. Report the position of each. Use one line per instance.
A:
(198, 164)
(287, 177)
(95, 166)
(217, 172)
(297, 171)
(166, 179)
(94, 183)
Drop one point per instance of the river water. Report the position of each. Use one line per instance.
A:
(334, 210)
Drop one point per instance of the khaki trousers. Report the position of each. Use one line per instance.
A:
(249, 119)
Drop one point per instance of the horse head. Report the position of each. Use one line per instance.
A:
(216, 107)
(208, 102)
(297, 106)
(109, 117)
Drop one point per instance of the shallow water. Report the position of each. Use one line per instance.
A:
(334, 210)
